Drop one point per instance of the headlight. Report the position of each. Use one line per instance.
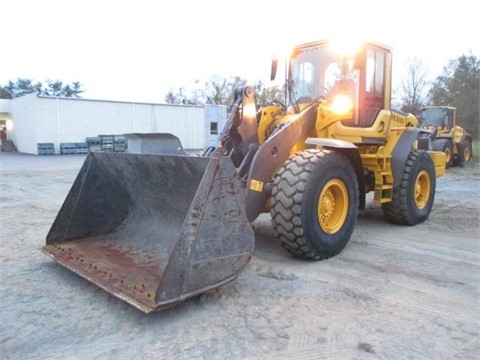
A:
(342, 104)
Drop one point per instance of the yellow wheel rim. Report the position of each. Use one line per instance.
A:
(466, 154)
(422, 189)
(448, 155)
(332, 206)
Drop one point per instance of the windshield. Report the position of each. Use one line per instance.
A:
(319, 72)
(437, 116)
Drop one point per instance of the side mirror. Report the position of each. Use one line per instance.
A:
(273, 71)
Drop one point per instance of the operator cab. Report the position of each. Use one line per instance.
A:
(441, 117)
(361, 79)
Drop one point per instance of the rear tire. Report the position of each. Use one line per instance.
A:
(315, 203)
(413, 198)
(446, 146)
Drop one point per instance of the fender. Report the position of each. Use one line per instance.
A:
(400, 152)
(271, 155)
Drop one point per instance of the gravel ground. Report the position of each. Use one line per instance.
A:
(395, 292)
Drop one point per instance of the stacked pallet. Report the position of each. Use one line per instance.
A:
(67, 148)
(45, 149)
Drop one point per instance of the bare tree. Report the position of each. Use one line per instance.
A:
(181, 96)
(413, 88)
(220, 91)
(216, 90)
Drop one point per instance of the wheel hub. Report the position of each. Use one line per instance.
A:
(332, 206)
(422, 189)
(327, 205)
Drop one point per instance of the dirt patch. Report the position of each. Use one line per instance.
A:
(394, 292)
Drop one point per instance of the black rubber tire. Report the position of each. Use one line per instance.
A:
(417, 185)
(296, 192)
(446, 146)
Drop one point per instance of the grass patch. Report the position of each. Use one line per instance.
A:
(476, 148)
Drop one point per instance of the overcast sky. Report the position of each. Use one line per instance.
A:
(138, 50)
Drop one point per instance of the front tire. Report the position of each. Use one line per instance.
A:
(315, 203)
(445, 146)
(413, 198)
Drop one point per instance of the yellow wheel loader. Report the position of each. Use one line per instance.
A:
(156, 229)
(450, 138)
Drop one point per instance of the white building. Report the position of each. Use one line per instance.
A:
(31, 120)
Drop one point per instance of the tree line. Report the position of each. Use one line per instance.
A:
(23, 86)
(220, 91)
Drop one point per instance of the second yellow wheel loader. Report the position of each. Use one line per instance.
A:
(156, 229)
(450, 138)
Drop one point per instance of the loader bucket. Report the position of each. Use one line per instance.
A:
(153, 230)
